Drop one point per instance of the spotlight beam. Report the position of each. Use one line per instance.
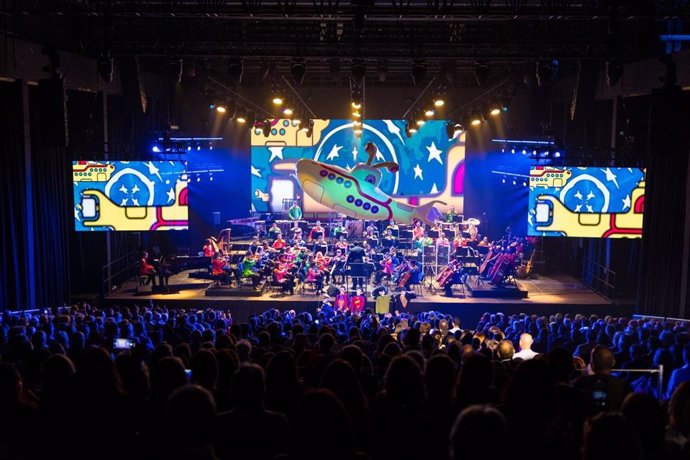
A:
(426, 88)
(479, 98)
(239, 96)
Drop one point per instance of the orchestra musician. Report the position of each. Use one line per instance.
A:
(484, 242)
(274, 231)
(342, 244)
(316, 229)
(442, 241)
(392, 226)
(218, 268)
(320, 244)
(146, 269)
(283, 276)
(209, 248)
(337, 265)
(338, 229)
(254, 245)
(248, 268)
(451, 214)
(371, 230)
(418, 230)
(295, 212)
(295, 230)
(388, 239)
(279, 243)
(472, 230)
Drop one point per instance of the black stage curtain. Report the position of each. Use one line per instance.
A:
(663, 241)
(35, 201)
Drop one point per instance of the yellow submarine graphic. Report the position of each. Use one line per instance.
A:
(549, 177)
(97, 210)
(356, 192)
(553, 216)
(88, 171)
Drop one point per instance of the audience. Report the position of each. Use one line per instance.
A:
(191, 384)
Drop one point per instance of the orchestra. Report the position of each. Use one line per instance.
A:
(378, 255)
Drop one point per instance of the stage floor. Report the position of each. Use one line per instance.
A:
(546, 294)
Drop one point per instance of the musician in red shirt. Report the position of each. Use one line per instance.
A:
(316, 229)
(218, 264)
(145, 269)
(279, 243)
(209, 248)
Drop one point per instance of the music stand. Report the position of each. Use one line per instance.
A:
(321, 248)
(356, 271)
(434, 234)
(317, 235)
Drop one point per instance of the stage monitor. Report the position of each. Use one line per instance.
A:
(592, 202)
(130, 195)
(432, 166)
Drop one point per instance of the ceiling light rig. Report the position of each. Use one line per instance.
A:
(357, 86)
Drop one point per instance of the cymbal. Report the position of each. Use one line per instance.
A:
(472, 221)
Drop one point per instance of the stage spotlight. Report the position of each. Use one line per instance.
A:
(356, 114)
(429, 113)
(534, 152)
(503, 180)
(156, 149)
(358, 70)
(357, 123)
(189, 148)
(556, 154)
(356, 104)
(236, 70)
(420, 122)
(287, 111)
(524, 152)
(418, 72)
(358, 132)
(495, 110)
(476, 119)
(512, 150)
(439, 102)
(266, 128)
(278, 101)
(411, 129)
(220, 108)
(524, 183)
(482, 71)
(241, 117)
(298, 69)
(514, 182)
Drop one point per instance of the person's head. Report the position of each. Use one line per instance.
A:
(679, 409)
(190, 415)
(602, 360)
(479, 432)
(248, 386)
(322, 427)
(167, 375)
(204, 368)
(561, 364)
(526, 341)
(505, 349)
(10, 385)
(648, 421)
(403, 381)
(608, 436)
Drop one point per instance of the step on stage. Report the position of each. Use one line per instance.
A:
(542, 295)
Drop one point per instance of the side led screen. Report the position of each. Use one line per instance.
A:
(130, 195)
(589, 202)
(431, 166)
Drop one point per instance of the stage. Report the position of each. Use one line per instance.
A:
(545, 295)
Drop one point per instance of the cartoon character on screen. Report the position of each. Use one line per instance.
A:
(356, 193)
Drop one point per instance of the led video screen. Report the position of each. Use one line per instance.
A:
(432, 166)
(591, 202)
(130, 195)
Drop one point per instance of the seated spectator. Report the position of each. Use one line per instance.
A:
(608, 436)
(606, 392)
(525, 352)
(680, 375)
(479, 432)
(249, 431)
(190, 420)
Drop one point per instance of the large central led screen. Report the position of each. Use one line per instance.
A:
(590, 202)
(432, 166)
(130, 195)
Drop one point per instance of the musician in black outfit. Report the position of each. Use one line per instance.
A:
(356, 258)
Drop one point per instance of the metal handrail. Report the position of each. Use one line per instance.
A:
(659, 370)
(125, 268)
(598, 277)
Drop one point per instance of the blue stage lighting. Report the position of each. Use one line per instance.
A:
(156, 149)
(557, 154)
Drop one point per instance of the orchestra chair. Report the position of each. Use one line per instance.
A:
(311, 285)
